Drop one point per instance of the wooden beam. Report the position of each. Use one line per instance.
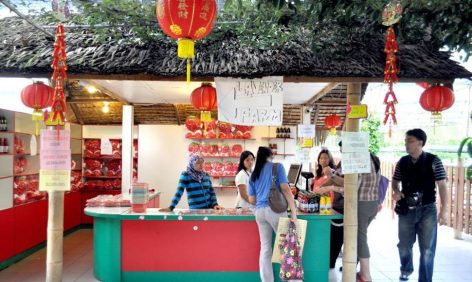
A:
(90, 100)
(178, 114)
(75, 110)
(331, 103)
(322, 93)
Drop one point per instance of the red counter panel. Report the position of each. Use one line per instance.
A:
(72, 211)
(30, 225)
(7, 234)
(200, 246)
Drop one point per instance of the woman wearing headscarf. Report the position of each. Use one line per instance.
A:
(197, 183)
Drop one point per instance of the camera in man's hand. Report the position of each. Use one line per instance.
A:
(410, 202)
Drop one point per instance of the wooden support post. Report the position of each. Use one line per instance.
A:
(350, 198)
(127, 150)
(54, 256)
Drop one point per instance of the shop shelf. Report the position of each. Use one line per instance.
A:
(100, 190)
(221, 176)
(105, 158)
(102, 177)
(225, 187)
(7, 132)
(221, 157)
(26, 174)
(273, 138)
(8, 176)
(221, 139)
(5, 154)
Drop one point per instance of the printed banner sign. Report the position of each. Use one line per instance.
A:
(54, 180)
(250, 101)
(50, 142)
(55, 160)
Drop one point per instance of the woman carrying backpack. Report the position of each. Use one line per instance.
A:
(268, 220)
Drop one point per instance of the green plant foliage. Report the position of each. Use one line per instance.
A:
(371, 125)
(273, 23)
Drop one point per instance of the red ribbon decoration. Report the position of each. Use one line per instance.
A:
(390, 76)
(59, 77)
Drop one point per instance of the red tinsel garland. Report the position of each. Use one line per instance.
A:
(390, 77)
(59, 77)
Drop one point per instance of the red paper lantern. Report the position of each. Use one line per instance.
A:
(186, 21)
(331, 122)
(204, 97)
(37, 96)
(437, 99)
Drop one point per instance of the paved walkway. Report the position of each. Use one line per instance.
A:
(453, 257)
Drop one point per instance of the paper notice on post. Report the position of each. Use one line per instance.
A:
(250, 101)
(105, 147)
(355, 142)
(355, 162)
(280, 236)
(306, 131)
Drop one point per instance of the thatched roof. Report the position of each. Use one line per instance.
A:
(25, 51)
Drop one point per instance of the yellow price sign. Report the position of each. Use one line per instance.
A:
(307, 143)
(357, 111)
(54, 180)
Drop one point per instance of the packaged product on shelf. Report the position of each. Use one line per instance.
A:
(236, 150)
(139, 197)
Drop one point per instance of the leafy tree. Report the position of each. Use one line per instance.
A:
(273, 23)
(371, 125)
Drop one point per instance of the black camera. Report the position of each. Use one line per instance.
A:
(414, 200)
(410, 202)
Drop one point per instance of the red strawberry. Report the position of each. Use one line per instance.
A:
(198, 134)
(193, 148)
(238, 135)
(222, 135)
(207, 167)
(97, 153)
(229, 167)
(225, 149)
(214, 149)
(247, 135)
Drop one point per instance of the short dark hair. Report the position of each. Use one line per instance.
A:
(340, 144)
(418, 134)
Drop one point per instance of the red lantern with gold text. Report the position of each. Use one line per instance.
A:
(37, 96)
(331, 122)
(437, 99)
(186, 21)
(203, 98)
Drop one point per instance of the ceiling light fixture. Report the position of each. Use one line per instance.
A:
(92, 89)
(106, 107)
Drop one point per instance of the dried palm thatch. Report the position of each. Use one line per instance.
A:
(26, 52)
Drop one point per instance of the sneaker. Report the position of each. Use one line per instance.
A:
(404, 277)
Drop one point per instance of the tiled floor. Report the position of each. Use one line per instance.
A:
(453, 257)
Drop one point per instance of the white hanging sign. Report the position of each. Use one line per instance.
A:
(250, 101)
(306, 130)
(355, 152)
(105, 147)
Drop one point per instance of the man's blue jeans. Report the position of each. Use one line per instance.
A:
(423, 222)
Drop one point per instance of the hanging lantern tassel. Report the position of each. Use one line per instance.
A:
(37, 117)
(332, 131)
(186, 50)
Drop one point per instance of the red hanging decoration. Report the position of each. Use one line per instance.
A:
(37, 96)
(186, 21)
(58, 78)
(204, 98)
(436, 99)
(390, 16)
(331, 122)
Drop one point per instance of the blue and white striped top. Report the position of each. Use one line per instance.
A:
(199, 195)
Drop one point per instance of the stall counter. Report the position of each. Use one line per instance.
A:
(193, 246)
